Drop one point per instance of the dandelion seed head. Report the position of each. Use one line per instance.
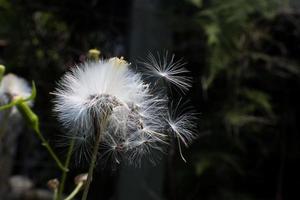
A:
(109, 88)
(138, 120)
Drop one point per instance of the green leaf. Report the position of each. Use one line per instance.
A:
(259, 98)
(212, 31)
(202, 166)
(198, 3)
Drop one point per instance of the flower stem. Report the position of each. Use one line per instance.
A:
(64, 175)
(50, 150)
(33, 121)
(99, 130)
(75, 191)
(55, 195)
(2, 71)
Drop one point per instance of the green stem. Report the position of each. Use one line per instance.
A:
(55, 194)
(33, 121)
(99, 131)
(2, 71)
(75, 191)
(64, 175)
(50, 150)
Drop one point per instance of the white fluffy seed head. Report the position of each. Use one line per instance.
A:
(108, 87)
(138, 121)
(15, 86)
(12, 87)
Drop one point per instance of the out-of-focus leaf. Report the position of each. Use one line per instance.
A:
(212, 30)
(4, 4)
(213, 160)
(202, 166)
(198, 3)
(278, 63)
(239, 119)
(259, 98)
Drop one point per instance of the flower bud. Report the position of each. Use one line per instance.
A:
(94, 54)
(81, 178)
(2, 71)
(53, 184)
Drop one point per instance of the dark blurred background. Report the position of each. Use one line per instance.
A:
(244, 59)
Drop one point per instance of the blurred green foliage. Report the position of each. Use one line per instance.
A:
(244, 79)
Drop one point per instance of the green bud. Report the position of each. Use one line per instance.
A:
(30, 117)
(2, 71)
(94, 54)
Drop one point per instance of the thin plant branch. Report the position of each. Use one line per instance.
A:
(50, 150)
(55, 194)
(64, 175)
(100, 127)
(75, 191)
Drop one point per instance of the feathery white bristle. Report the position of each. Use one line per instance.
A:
(182, 122)
(167, 69)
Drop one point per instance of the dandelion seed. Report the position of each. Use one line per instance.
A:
(167, 69)
(182, 124)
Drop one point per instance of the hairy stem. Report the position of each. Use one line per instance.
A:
(99, 129)
(64, 175)
(75, 191)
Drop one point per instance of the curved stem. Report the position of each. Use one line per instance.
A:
(75, 191)
(33, 121)
(50, 150)
(99, 130)
(64, 175)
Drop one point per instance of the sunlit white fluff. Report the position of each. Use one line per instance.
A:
(181, 121)
(15, 86)
(139, 120)
(93, 89)
(12, 87)
(168, 70)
